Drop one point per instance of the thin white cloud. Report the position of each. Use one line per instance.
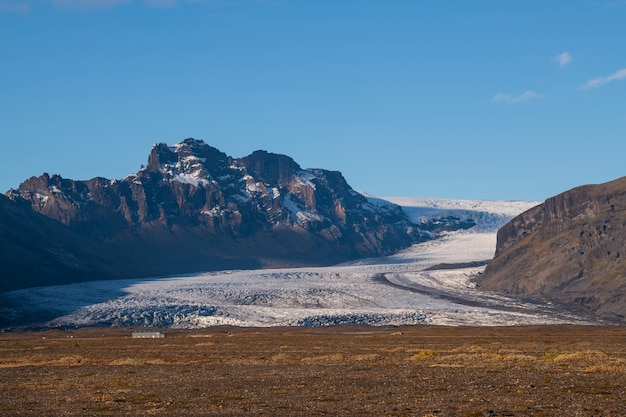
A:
(171, 3)
(600, 81)
(26, 6)
(15, 6)
(617, 3)
(88, 4)
(525, 97)
(563, 59)
(160, 3)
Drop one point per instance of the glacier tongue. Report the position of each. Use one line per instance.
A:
(395, 290)
(489, 215)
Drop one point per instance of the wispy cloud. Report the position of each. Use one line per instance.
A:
(160, 3)
(525, 97)
(617, 3)
(563, 59)
(15, 6)
(600, 81)
(88, 4)
(26, 6)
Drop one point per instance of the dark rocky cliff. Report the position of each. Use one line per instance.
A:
(570, 249)
(194, 208)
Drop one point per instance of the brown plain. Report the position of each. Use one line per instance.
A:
(340, 371)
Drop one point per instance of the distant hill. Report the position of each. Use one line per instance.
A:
(570, 249)
(193, 208)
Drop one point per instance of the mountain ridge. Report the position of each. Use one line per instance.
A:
(194, 208)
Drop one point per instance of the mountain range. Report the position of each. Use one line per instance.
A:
(194, 208)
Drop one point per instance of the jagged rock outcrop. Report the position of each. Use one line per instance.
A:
(194, 186)
(570, 250)
(195, 208)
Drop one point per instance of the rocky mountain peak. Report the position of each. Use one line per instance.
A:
(190, 161)
(269, 167)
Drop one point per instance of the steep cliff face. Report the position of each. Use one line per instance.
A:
(194, 208)
(570, 249)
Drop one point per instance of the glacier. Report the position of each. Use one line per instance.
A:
(409, 287)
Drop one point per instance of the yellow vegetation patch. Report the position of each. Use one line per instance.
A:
(73, 360)
(617, 365)
(136, 362)
(337, 357)
(280, 357)
(424, 355)
(365, 357)
(582, 356)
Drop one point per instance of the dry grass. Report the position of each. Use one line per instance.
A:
(413, 371)
(424, 355)
(136, 362)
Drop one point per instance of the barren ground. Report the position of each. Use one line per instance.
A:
(340, 371)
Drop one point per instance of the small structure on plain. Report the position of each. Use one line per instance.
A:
(148, 334)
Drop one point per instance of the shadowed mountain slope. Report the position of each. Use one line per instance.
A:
(35, 250)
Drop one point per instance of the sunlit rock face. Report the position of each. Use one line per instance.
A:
(569, 250)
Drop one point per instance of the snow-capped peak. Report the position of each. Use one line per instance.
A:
(187, 162)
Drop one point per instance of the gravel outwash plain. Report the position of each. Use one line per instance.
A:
(420, 371)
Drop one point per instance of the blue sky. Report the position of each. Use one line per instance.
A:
(514, 100)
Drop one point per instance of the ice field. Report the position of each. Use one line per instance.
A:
(394, 290)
